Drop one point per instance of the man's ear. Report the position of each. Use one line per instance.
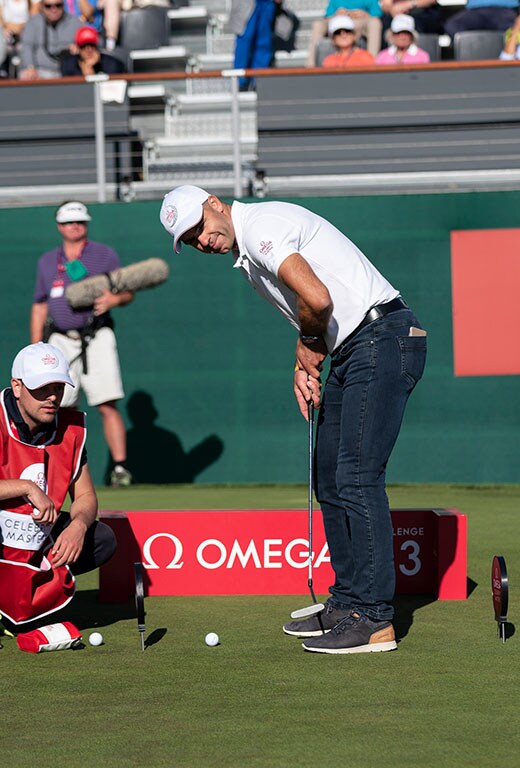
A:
(215, 203)
(16, 384)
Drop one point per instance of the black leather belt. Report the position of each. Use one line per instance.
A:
(381, 310)
(374, 314)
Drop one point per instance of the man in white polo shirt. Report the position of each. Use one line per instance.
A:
(343, 307)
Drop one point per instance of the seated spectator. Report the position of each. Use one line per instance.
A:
(483, 14)
(427, 14)
(403, 48)
(343, 35)
(13, 17)
(366, 15)
(89, 60)
(512, 46)
(46, 40)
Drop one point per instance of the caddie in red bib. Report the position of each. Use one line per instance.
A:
(42, 459)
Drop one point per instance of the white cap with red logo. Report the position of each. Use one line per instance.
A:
(40, 364)
(181, 210)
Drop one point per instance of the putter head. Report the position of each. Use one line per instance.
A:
(310, 610)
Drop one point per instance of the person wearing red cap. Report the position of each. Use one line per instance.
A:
(90, 60)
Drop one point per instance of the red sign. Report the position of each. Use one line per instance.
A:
(485, 262)
(262, 552)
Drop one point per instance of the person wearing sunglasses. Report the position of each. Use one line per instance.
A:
(84, 335)
(46, 39)
(89, 60)
(342, 32)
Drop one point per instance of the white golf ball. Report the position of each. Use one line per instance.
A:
(95, 638)
(212, 639)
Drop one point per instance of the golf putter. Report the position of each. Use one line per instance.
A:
(310, 610)
(139, 601)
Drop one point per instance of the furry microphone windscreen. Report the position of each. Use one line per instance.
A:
(135, 277)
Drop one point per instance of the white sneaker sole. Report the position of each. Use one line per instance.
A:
(373, 648)
(313, 633)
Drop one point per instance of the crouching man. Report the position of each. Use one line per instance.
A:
(42, 459)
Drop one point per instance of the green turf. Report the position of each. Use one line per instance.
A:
(447, 697)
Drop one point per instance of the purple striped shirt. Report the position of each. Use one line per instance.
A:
(51, 277)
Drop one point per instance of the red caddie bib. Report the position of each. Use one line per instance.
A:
(29, 587)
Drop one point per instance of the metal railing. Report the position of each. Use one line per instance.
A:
(114, 141)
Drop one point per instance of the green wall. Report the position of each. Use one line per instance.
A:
(208, 364)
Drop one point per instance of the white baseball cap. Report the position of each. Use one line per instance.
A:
(72, 211)
(181, 210)
(403, 23)
(342, 21)
(40, 364)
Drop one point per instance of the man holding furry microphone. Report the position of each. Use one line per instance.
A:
(85, 336)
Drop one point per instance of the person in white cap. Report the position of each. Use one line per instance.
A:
(42, 460)
(341, 306)
(342, 32)
(366, 15)
(403, 48)
(85, 336)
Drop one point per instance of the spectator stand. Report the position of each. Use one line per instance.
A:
(179, 111)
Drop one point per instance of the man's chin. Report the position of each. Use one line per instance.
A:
(47, 417)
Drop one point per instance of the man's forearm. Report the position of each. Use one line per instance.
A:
(125, 297)
(84, 509)
(313, 321)
(13, 489)
(37, 322)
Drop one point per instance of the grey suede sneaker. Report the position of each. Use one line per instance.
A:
(355, 634)
(318, 624)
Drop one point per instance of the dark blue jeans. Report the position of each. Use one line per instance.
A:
(364, 398)
(486, 17)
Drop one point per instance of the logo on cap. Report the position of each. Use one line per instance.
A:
(171, 215)
(51, 360)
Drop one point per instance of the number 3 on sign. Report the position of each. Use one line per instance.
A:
(413, 556)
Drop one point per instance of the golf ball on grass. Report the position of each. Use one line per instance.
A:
(95, 638)
(212, 639)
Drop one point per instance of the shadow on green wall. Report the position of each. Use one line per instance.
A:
(156, 455)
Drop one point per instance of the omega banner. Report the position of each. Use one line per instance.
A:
(259, 552)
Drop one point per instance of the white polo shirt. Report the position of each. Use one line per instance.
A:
(267, 233)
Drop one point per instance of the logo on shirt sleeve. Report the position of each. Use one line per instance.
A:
(266, 247)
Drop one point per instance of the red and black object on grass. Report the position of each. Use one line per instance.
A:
(139, 601)
(500, 591)
(316, 608)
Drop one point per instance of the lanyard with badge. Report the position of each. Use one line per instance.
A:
(75, 269)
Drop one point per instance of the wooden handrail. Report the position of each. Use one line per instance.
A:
(271, 72)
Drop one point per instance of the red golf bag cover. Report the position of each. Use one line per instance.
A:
(29, 587)
(53, 637)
